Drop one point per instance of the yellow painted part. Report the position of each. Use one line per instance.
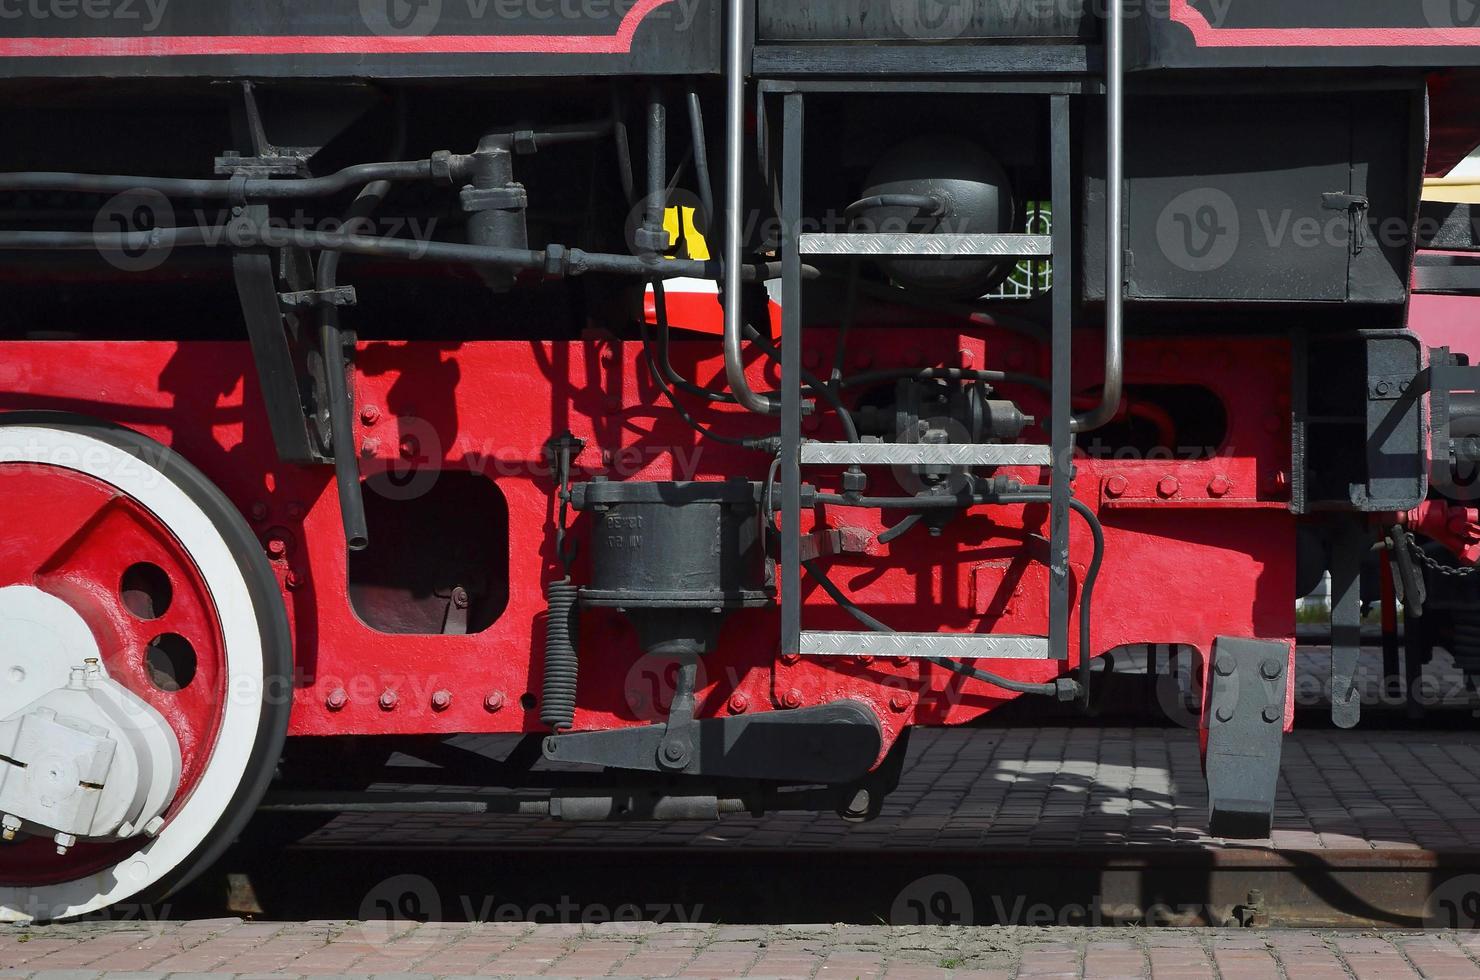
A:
(676, 220)
(1449, 191)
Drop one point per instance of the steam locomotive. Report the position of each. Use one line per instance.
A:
(707, 391)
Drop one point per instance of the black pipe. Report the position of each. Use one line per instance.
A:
(252, 189)
(701, 161)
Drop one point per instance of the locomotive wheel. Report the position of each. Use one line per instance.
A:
(113, 547)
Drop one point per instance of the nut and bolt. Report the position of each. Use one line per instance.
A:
(441, 700)
(369, 415)
(790, 658)
(1116, 486)
(1224, 665)
(1272, 714)
(369, 447)
(494, 703)
(1224, 714)
(792, 699)
(389, 699)
(738, 703)
(1219, 486)
(1271, 668)
(1168, 486)
(337, 699)
(899, 703)
(277, 546)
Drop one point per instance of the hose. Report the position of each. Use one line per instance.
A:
(562, 665)
(251, 189)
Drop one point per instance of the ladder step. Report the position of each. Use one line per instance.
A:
(925, 646)
(942, 246)
(911, 454)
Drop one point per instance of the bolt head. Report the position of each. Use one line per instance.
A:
(369, 447)
(899, 703)
(1272, 714)
(388, 700)
(494, 702)
(1116, 486)
(1168, 486)
(277, 547)
(441, 700)
(1271, 669)
(738, 703)
(369, 415)
(790, 658)
(259, 512)
(1224, 714)
(337, 699)
(1219, 486)
(792, 699)
(1224, 665)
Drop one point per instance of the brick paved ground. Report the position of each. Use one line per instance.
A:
(226, 948)
(1055, 787)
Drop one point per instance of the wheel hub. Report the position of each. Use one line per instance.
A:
(81, 759)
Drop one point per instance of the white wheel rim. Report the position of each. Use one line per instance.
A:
(231, 756)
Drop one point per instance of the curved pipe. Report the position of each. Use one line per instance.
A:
(1109, 405)
(763, 404)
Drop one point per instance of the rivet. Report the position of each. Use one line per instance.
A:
(441, 700)
(494, 703)
(336, 700)
(389, 699)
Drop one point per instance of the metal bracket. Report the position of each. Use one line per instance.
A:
(1248, 687)
(312, 299)
(830, 743)
(287, 395)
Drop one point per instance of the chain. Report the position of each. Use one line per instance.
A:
(1434, 564)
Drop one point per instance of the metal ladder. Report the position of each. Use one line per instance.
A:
(1020, 77)
(797, 454)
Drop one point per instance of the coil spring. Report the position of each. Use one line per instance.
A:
(562, 668)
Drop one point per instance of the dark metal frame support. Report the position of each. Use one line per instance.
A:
(793, 129)
(1062, 435)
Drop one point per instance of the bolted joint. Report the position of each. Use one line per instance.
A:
(557, 261)
(650, 239)
(855, 480)
(510, 197)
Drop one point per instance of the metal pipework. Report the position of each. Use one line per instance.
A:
(764, 404)
(1110, 397)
